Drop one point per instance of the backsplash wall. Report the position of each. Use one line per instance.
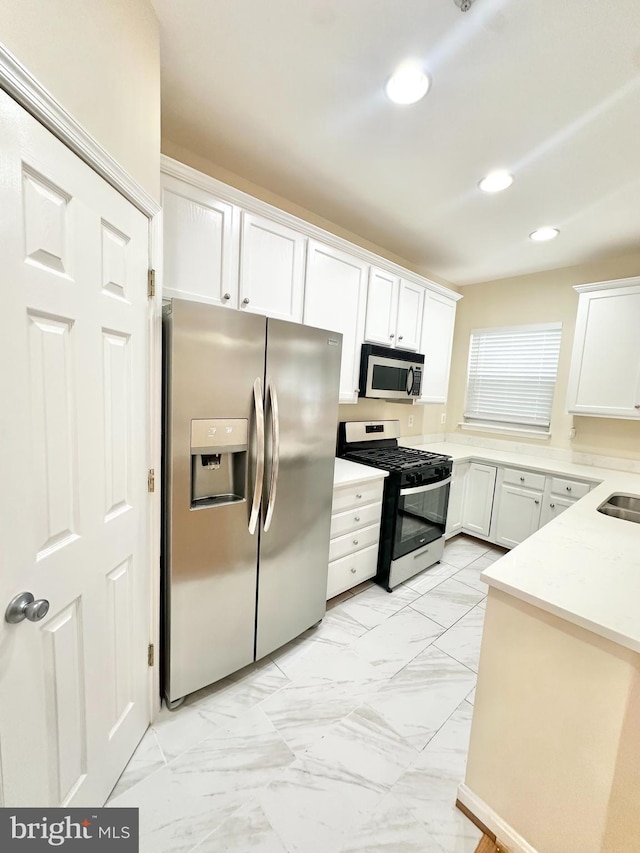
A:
(426, 419)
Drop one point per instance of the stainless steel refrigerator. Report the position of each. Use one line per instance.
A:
(251, 407)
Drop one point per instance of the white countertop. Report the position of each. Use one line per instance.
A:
(583, 566)
(345, 473)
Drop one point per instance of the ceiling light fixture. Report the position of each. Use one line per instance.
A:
(407, 84)
(541, 235)
(496, 181)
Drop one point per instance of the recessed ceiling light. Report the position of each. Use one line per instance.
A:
(540, 235)
(496, 181)
(407, 84)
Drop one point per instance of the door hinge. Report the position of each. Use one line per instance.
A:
(151, 654)
(151, 480)
(151, 284)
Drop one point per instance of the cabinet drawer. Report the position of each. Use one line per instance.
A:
(354, 541)
(345, 497)
(352, 570)
(353, 519)
(523, 478)
(568, 488)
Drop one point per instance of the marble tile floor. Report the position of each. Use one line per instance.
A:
(350, 739)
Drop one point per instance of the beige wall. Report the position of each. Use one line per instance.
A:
(100, 59)
(543, 298)
(555, 739)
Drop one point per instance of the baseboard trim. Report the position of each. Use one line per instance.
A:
(475, 820)
(491, 823)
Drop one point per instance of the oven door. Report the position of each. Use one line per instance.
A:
(422, 516)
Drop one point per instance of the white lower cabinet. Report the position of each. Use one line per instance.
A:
(517, 514)
(456, 498)
(355, 533)
(560, 494)
(506, 505)
(478, 498)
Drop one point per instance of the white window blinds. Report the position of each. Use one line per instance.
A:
(512, 375)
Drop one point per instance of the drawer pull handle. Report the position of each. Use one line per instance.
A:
(355, 541)
(353, 571)
(536, 502)
(568, 488)
(522, 479)
(553, 506)
(356, 518)
(358, 495)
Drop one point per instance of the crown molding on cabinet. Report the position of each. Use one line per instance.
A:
(607, 285)
(224, 192)
(16, 80)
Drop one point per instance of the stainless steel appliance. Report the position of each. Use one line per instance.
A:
(415, 499)
(250, 408)
(390, 374)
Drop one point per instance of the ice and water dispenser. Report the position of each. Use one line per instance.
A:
(218, 461)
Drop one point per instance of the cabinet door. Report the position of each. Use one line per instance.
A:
(271, 268)
(552, 507)
(605, 365)
(456, 498)
(200, 245)
(436, 343)
(518, 514)
(478, 498)
(382, 307)
(335, 295)
(410, 308)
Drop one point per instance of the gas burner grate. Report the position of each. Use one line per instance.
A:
(395, 458)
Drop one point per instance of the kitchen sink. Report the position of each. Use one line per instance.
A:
(626, 507)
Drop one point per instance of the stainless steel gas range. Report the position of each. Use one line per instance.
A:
(415, 500)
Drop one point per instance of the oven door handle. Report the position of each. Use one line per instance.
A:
(417, 489)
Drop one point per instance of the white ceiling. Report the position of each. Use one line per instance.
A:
(289, 95)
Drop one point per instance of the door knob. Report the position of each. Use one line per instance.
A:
(400, 337)
(392, 335)
(227, 296)
(245, 301)
(24, 606)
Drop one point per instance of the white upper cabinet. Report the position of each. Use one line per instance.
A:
(200, 245)
(382, 307)
(271, 268)
(605, 365)
(436, 344)
(335, 295)
(410, 308)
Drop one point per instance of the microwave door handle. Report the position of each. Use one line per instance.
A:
(259, 478)
(275, 454)
(410, 381)
(432, 487)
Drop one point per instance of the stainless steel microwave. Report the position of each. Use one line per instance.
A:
(390, 374)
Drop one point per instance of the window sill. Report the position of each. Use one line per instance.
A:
(506, 430)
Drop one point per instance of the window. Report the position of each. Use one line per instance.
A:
(512, 377)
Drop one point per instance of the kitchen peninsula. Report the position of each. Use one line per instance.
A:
(559, 680)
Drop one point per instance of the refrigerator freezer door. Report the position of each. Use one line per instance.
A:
(213, 358)
(302, 377)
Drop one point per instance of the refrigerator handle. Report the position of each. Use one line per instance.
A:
(275, 454)
(257, 486)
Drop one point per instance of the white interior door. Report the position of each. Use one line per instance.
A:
(73, 450)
